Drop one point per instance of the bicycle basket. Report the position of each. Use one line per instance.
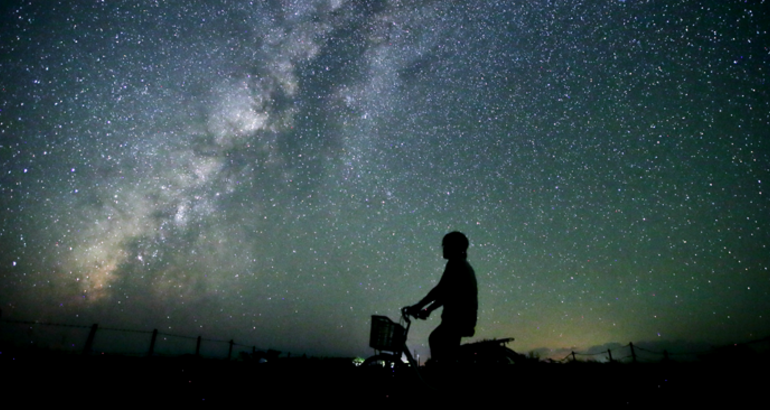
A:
(386, 334)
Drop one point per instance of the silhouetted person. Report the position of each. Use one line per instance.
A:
(457, 293)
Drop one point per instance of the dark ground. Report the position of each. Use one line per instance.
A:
(44, 377)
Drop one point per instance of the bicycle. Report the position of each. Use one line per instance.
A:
(389, 338)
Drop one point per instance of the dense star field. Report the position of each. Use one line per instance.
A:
(275, 172)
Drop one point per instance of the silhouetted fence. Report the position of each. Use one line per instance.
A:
(176, 344)
(632, 353)
(179, 344)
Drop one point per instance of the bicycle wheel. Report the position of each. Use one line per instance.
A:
(385, 361)
(515, 358)
(487, 353)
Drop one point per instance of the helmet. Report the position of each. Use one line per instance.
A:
(455, 241)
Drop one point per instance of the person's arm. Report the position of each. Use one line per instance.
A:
(429, 303)
(432, 301)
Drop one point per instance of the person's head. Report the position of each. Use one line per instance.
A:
(455, 245)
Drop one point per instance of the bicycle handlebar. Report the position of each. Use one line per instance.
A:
(405, 314)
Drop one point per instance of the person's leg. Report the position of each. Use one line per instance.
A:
(443, 342)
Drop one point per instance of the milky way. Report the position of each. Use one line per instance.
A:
(276, 172)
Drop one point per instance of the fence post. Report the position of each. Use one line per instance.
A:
(633, 353)
(610, 353)
(88, 348)
(198, 347)
(665, 355)
(230, 352)
(152, 342)
(573, 355)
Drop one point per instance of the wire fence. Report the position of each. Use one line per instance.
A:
(635, 354)
(133, 342)
(97, 339)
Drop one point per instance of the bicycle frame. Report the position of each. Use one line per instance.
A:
(405, 348)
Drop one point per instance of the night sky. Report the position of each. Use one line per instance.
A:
(276, 172)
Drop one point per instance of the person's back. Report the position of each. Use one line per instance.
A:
(457, 292)
(461, 300)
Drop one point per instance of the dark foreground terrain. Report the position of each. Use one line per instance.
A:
(51, 378)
